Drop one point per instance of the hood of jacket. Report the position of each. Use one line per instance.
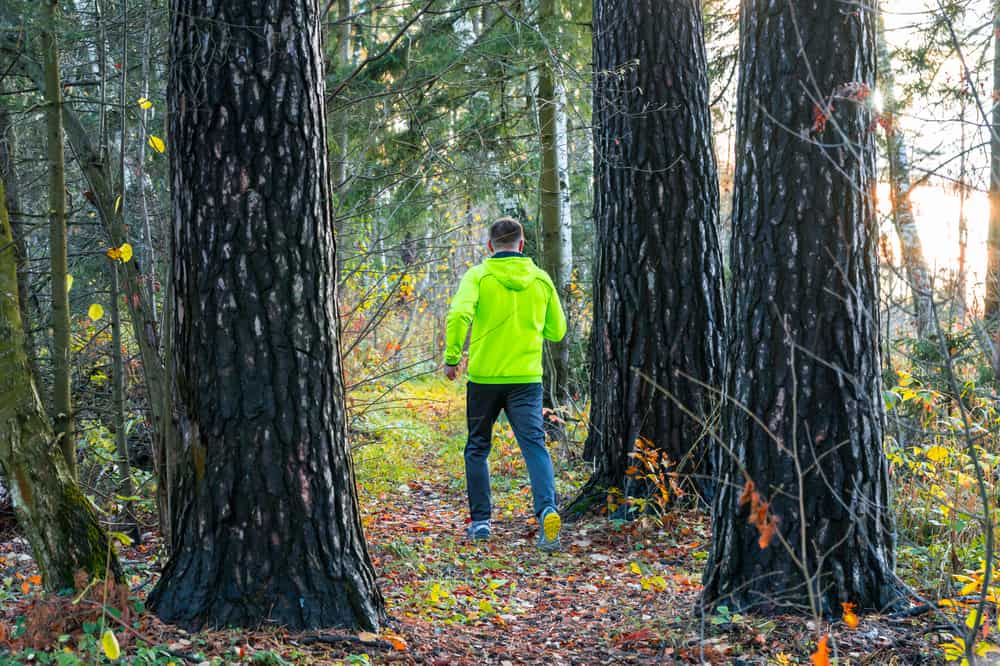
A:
(515, 273)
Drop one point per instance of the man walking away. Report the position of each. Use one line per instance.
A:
(512, 307)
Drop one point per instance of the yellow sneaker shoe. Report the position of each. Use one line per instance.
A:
(548, 536)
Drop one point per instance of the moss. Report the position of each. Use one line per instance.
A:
(90, 543)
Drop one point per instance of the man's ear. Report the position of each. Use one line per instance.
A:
(489, 246)
(520, 246)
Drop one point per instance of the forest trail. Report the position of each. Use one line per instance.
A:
(617, 593)
(458, 602)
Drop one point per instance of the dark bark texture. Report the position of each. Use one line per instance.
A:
(267, 514)
(658, 308)
(803, 343)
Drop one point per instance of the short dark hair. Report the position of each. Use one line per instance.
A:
(506, 232)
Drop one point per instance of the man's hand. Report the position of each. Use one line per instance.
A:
(451, 371)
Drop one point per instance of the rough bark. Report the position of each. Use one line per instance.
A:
(911, 249)
(57, 519)
(658, 309)
(62, 408)
(268, 526)
(803, 343)
(991, 303)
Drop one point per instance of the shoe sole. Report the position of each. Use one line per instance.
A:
(551, 526)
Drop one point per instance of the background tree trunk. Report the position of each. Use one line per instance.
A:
(658, 306)
(550, 193)
(267, 521)
(57, 519)
(804, 352)
(62, 407)
(991, 304)
(910, 247)
(8, 173)
(127, 522)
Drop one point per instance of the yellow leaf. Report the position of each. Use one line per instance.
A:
(936, 453)
(69, 282)
(95, 312)
(485, 607)
(983, 648)
(145, 103)
(156, 143)
(118, 204)
(114, 253)
(634, 568)
(659, 583)
(110, 645)
(125, 252)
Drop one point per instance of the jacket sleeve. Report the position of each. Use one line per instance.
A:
(463, 309)
(555, 320)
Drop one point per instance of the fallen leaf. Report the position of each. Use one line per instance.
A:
(821, 657)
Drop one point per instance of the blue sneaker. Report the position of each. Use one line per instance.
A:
(548, 535)
(478, 530)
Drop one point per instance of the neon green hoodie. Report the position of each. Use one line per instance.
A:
(512, 305)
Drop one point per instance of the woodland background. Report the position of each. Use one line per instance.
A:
(441, 116)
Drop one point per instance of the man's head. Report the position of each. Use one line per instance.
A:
(506, 235)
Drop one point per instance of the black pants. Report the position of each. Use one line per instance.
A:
(523, 405)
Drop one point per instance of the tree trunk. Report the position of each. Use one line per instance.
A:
(268, 526)
(339, 125)
(550, 194)
(565, 268)
(339, 121)
(804, 349)
(658, 309)
(62, 407)
(57, 519)
(991, 303)
(127, 522)
(910, 246)
(147, 227)
(8, 173)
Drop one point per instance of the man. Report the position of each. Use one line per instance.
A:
(512, 306)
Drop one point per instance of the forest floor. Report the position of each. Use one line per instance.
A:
(617, 593)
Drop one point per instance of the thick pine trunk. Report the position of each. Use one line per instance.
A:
(910, 247)
(57, 519)
(62, 408)
(658, 309)
(991, 303)
(268, 526)
(803, 347)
